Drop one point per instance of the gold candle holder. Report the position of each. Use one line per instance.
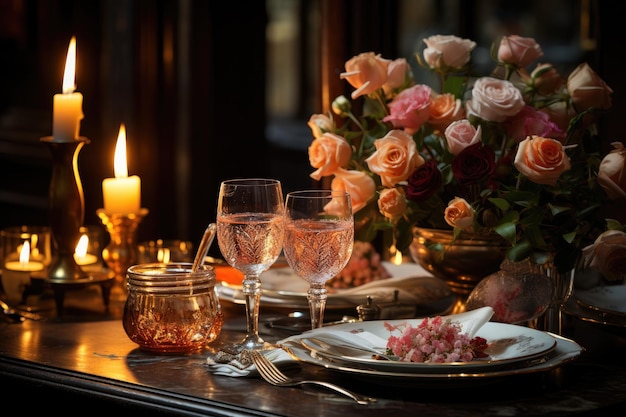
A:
(121, 252)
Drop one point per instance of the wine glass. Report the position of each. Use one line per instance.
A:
(319, 236)
(250, 236)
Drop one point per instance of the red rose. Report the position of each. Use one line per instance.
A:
(423, 182)
(473, 164)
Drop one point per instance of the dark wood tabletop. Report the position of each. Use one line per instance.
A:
(82, 361)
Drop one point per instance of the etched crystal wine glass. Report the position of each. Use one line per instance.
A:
(319, 236)
(250, 236)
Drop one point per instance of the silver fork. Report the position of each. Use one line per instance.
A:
(274, 376)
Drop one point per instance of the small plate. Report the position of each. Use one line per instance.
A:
(610, 299)
(508, 345)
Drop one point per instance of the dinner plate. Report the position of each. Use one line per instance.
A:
(508, 345)
(609, 299)
(281, 287)
(566, 350)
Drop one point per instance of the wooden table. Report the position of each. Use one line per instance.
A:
(82, 363)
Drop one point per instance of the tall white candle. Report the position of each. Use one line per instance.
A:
(68, 107)
(121, 194)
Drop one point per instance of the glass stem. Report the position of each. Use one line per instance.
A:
(252, 291)
(317, 304)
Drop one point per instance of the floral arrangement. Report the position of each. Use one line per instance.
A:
(434, 340)
(515, 152)
(365, 265)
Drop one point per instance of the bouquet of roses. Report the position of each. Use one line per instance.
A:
(515, 152)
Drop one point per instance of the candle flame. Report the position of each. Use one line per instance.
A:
(81, 247)
(119, 163)
(25, 253)
(69, 76)
(163, 255)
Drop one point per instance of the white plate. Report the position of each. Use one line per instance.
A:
(566, 351)
(508, 344)
(607, 299)
(281, 287)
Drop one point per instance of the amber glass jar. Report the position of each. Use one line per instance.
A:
(170, 309)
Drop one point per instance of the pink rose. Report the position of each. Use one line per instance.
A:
(588, 90)
(533, 122)
(546, 80)
(542, 160)
(395, 158)
(495, 100)
(367, 72)
(459, 214)
(518, 51)
(359, 185)
(327, 154)
(461, 134)
(398, 73)
(560, 113)
(391, 203)
(447, 51)
(320, 124)
(410, 109)
(612, 172)
(607, 255)
(444, 109)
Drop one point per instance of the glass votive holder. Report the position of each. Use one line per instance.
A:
(170, 309)
(165, 251)
(25, 253)
(88, 252)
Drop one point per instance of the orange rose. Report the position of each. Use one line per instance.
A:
(612, 172)
(395, 158)
(367, 72)
(588, 90)
(459, 214)
(445, 109)
(607, 255)
(327, 154)
(542, 160)
(359, 185)
(320, 124)
(518, 51)
(391, 203)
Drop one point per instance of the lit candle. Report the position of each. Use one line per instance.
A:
(122, 194)
(68, 107)
(24, 264)
(16, 274)
(81, 256)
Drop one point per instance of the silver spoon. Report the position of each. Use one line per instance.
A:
(203, 248)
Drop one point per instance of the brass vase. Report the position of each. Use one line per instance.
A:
(462, 262)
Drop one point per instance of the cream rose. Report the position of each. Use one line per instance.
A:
(367, 72)
(444, 109)
(447, 51)
(327, 154)
(459, 214)
(398, 72)
(495, 100)
(541, 160)
(518, 51)
(461, 134)
(391, 203)
(395, 158)
(607, 255)
(612, 172)
(587, 89)
(320, 124)
(359, 185)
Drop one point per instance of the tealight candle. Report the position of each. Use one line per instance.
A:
(121, 194)
(81, 257)
(16, 274)
(67, 107)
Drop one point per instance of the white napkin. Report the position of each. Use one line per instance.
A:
(229, 365)
(470, 321)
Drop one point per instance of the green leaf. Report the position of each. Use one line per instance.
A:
(557, 209)
(508, 231)
(500, 203)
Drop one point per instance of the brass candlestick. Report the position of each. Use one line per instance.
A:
(66, 208)
(121, 252)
